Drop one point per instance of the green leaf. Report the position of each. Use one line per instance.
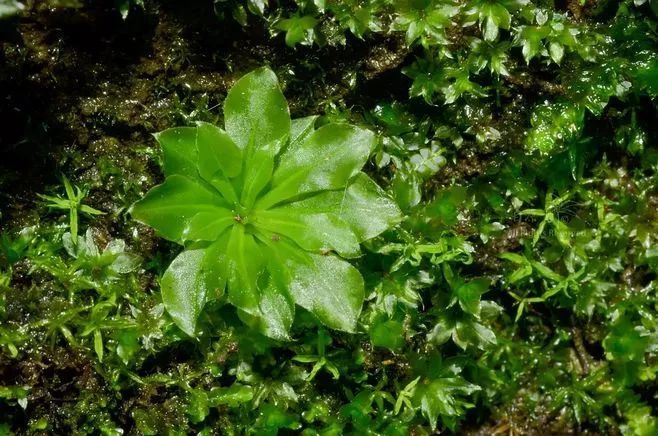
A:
(490, 30)
(425, 20)
(169, 207)
(472, 332)
(406, 189)
(514, 257)
(184, 290)
(258, 171)
(327, 159)
(520, 273)
(244, 270)
(444, 397)
(272, 418)
(179, 151)
(299, 29)
(122, 5)
(9, 8)
(546, 272)
(319, 232)
(553, 125)
(146, 422)
(387, 333)
(500, 15)
(197, 407)
(300, 128)
(277, 311)
(98, 344)
(128, 345)
(256, 111)
(232, 396)
(330, 288)
(208, 226)
(625, 343)
(368, 209)
(214, 267)
(562, 233)
(363, 205)
(428, 161)
(533, 212)
(469, 295)
(216, 152)
(531, 39)
(556, 51)
(491, 14)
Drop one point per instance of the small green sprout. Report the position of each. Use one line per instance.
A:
(73, 204)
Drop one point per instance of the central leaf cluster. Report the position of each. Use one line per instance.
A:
(268, 209)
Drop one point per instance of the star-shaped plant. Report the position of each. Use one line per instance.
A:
(267, 209)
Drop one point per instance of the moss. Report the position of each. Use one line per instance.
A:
(84, 91)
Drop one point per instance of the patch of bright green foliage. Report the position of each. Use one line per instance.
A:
(10, 8)
(261, 207)
(517, 295)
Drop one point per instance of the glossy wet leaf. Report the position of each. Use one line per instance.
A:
(299, 29)
(244, 268)
(170, 207)
(469, 295)
(315, 232)
(216, 152)
(179, 150)
(232, 396)
(208, 226)
(276, 311)
(336, 152)
(363, 205)
(300, 128)
(330, 288)
(184, 289)
(256, 111)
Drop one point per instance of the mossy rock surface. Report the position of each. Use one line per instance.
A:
(517, 295)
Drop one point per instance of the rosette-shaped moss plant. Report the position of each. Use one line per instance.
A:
(268, 209)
